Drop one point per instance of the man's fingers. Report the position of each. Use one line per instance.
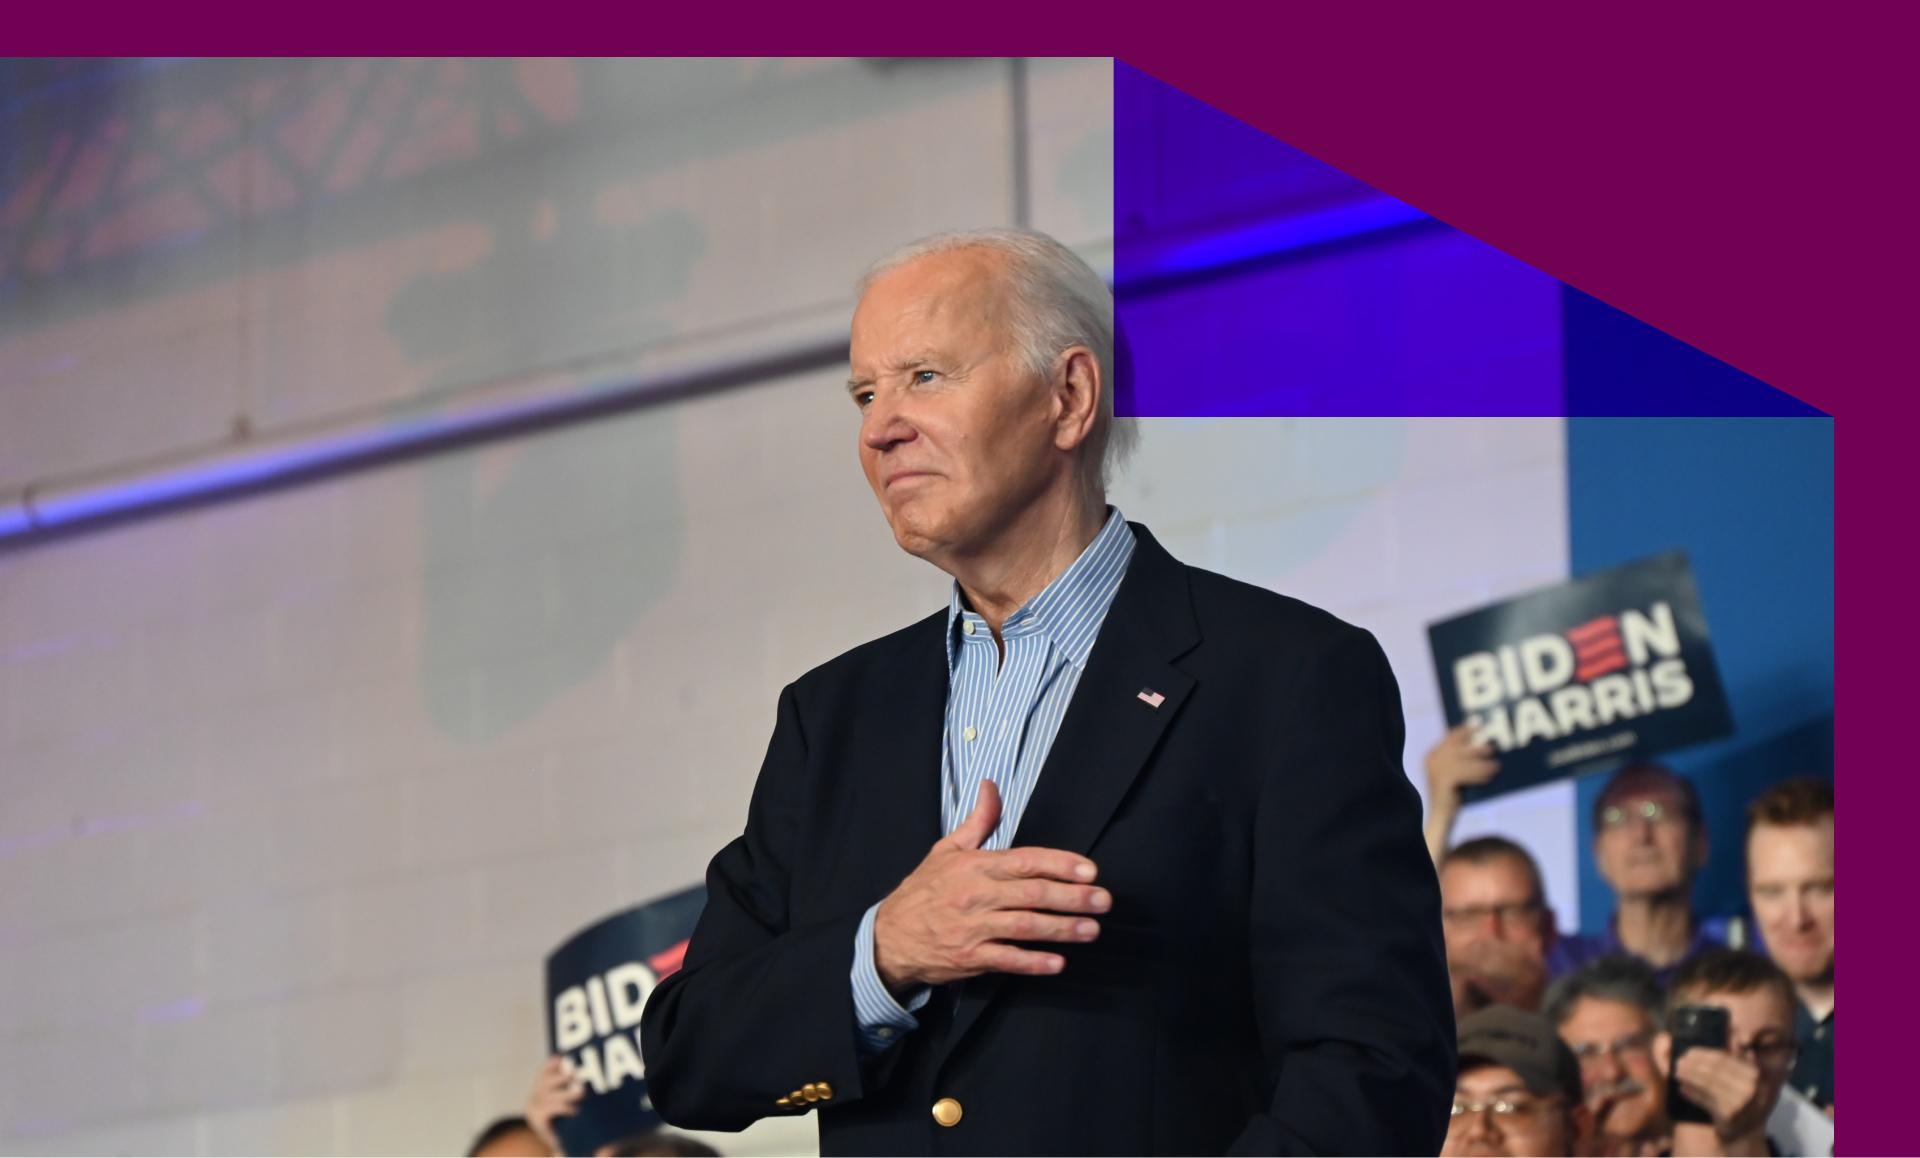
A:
(1713, 1067)
(556, 1104)
(994, 957)
(1024, 925)
(1479, 771)
(1054, 863)
(1051, 897)
(980, 823)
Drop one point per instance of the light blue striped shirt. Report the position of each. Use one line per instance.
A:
(1000, 724)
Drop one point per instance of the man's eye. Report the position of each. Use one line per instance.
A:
(924, 376)
(862, 397)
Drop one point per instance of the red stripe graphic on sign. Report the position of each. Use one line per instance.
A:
(1605, 625)
(668, 961)
(1591, 670)
(1596, 647)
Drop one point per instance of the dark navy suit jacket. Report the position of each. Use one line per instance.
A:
(1270, 978)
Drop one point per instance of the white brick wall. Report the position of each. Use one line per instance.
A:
(297, 791)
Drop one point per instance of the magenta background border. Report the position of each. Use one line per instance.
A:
(1735, 178)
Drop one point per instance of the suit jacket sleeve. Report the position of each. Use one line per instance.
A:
(761, 1006)
(1350, 981)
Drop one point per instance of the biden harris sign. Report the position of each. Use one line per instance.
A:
(597, 984)
(1611, 666)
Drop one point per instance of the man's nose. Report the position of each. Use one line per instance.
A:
(1480, 1125)
(1606, 1067)
(883, 425)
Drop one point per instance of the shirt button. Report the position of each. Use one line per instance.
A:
(885, 1031)
(967, 626)
(969, 733)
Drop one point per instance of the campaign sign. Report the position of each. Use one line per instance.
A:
(1612, 666)
(597, 983)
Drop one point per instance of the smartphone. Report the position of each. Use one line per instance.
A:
(1693, 1025)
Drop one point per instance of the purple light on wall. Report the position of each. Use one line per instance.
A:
(1251, 279)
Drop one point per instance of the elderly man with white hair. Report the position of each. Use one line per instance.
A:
(1110, 854)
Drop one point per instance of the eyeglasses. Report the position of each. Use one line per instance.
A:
(1589, 1052)
(1651, 811)
(1769, 1053)
(1504, 1108)
(1475, 914)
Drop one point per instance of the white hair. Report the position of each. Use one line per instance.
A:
(1058, 302)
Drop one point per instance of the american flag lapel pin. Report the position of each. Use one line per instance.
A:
(1151, 698)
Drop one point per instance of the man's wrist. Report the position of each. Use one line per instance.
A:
(1696, 1140)
(898, 982)
(880, 1015)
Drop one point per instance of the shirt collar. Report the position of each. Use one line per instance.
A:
(1699, 942)
(1070, 609)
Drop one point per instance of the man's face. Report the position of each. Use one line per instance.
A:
(1530, 1125)
(1790, 883)
(1493, 900)
(1760, 1029)
(957, 437)
(1614, 1042)
(1648, 846)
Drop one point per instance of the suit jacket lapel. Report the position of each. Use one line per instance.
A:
(901, 787)
(1108, 733)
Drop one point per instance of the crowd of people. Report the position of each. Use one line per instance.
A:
(1568, 1041)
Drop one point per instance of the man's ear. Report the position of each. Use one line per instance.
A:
(1077, 391)
(1663, 1052)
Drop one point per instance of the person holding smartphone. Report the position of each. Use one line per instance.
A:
(1720, 1096)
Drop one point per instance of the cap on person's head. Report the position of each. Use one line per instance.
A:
(1524, 1043)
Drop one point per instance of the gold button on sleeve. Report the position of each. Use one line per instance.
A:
(947, 1112)
(783, 1101)
(826, 1091)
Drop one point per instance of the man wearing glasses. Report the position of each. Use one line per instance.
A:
(1649, 842)
(1608, 1012)
(1518, 1092)
(1740, 1085)
(1498, 927)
